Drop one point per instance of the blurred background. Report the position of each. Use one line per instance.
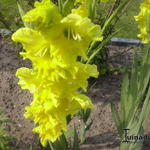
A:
(11, 20)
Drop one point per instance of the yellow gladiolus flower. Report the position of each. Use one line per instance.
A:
(53, 45)
(144, 21)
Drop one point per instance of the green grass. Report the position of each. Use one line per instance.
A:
(9, 9)
(10, 14)
(127, 21)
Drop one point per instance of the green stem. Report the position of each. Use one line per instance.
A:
(93, 10)
(108, 22)
(102, 44)
(115, 13)
(51, 146)
(60, 5)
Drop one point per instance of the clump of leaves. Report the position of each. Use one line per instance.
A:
(135, 102)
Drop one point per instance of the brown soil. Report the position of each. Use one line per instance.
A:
(102, 135)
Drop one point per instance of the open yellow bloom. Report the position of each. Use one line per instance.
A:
(77, 31)
(44, 15)
(82, 28)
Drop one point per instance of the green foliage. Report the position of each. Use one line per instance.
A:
(85, 124)
(67, 6)
(11, 19)
(135, 100)
(8, 18)
(107, 16)
(75, 140)
(127, 21)
(4, 137)
(6, 14)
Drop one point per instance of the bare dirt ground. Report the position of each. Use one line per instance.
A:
(102, 135)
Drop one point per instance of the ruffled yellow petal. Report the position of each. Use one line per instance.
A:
(44, 15)
(27, 79)
(82, 28)
(31, 40)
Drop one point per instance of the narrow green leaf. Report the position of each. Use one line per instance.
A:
(68, 118)
(84, 130)
(22, 13)
(86, 115)
(144, 76)
(67, 7)
(146, 109)
(50, 145)
(124, 97)
(88, 126)
(116, 118)
(115, 14)
(69, 133)
(31, 147)
(75, 140)
(100, 46)
(133, 90)
(81, 114)
(134, 78)
(139, 144)
(63, 142)
(57, 145)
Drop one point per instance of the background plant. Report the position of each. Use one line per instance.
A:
(103, 12)
(11, 19)
(107, 16)
(135, 101)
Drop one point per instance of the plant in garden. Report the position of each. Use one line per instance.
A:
(107, 15)
(135, 102)
(53, 44)
(55, 38)
(135, 93)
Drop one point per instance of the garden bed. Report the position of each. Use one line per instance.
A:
(106, 89)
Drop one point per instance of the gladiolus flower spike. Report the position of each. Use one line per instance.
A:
(53, 45)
